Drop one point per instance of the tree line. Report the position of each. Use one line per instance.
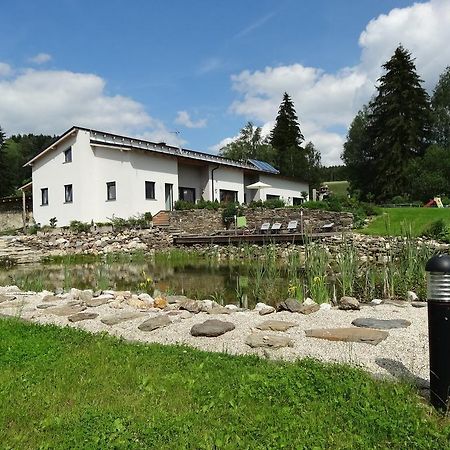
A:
(398, 145)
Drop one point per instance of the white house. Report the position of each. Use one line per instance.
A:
(91, 175)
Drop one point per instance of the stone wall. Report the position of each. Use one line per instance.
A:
(203, 221)
(11, 212)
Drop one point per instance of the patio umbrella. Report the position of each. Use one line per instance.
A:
(258, 185)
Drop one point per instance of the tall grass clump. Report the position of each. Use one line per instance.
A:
(316, 268)
(347, 265)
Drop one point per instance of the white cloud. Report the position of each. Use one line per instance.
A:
(50, 101)
(326, 101)
(40, 58)
(5, 69)
(183, 118)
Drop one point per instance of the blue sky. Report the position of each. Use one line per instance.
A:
(204, 68)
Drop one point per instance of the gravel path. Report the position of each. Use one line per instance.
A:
(403, 354)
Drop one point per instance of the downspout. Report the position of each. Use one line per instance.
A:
(212, 182)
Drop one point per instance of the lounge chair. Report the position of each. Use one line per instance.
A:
(265, 227)
(327, 227)
(276, 227)
(292, 226)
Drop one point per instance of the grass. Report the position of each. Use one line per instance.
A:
(339, 188)
(392, 220)
(64, 388)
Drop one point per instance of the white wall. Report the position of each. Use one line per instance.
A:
(228, 179)
(284, 188)
(192, 176)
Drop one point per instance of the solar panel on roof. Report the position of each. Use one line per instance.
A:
(262, 165)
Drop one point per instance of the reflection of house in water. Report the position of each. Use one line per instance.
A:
(90, 175)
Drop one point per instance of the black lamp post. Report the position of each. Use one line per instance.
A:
(438, 295)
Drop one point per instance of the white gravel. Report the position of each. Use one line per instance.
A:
(403, 354)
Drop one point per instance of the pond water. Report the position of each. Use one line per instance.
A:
(224, 282)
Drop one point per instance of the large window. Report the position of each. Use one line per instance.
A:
(272, 197)
(68, 155)
(150, 190)
(44, 196)
(228, 196)
(186, 194)
(111, 190)
(68, 193)
(297, 200)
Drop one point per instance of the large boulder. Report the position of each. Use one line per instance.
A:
(290, 304)
(154, 323)
(348, 303)
(192, 306)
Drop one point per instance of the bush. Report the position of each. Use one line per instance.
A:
(53, 221)
(231, 209)
(183, 205)
(79, 227)
(438, 230)
(270, 204)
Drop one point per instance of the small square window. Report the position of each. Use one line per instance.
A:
(111, 190)
(68, 155)
(44, 196)
(68, 193)
(150, 190)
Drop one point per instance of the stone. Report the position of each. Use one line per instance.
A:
(267, 310)
(348, 303)
(86, 295)
(411, 296)
(381, 324)
(256, 340)
(135, 302)
(376, 302)
(65, 310)
(172, 307)
(309, 301)
(309, 308)
(59, 291)
(45, 306)
(146, 297)
(232, 308)
(177, 298)
(98, 301)
(192, 306)
(398, 303)
(259, 306)
(290, 304)
(4, 298)
(160, 302)
(75, 293)
(212, 328)
(219, 310)
(121, 317)
(275, 325)
(363, 335)
(50, 298)
(124, 294)
(419, 304)
(82, 316)
(325, 306)
(180, 314)
(154, 323)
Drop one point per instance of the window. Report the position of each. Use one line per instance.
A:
(272, 197)
(150, 190)
(68, 155)
(44, 196)
(228, 196)
(111, 190)
(68, 193)
(186, 194)
(297, 200)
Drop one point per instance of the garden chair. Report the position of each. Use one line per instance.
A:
(265, 227)
(276, 227)
(292, 226)
(327, 227)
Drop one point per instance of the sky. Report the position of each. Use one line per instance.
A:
(193, 73)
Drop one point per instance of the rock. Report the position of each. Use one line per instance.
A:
(267, 310)
(82, 316)
(256, 340)
(4, 298)
(419, 304)
(191, 305)
(50, 298)
(309, 308)
(363, 335)
(86, 295)
(290, 304)
(381, 324)
(98, 301)
(232, 308)
(398, 303)
(115, 305)
(348, 303)
(154, 323)
(219, 310)
(135, 302)
(172, 307)
(180, 314)
(309, 301)
(325, 306)
(146, 297)
(59, 291)
(65, 310)
(75, 293)
(276, 325)
(259, 306)
(376, 302)
(212, 328)
(160, 302)
(177, 298)
(121, 317)
(119, 299)
(124, 294)
(411, 296)
(45, 306)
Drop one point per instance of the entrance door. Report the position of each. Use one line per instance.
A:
(169, 196)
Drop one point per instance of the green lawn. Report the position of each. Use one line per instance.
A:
(62, 388)
(390, 222)
(339, 188)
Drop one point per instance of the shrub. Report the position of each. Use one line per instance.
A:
(438, 230)
(53, 221)
(231, 209)
(270, 204)
(183, 205)
(79, 227)
(207, 204)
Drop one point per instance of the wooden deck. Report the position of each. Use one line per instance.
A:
(229, 238)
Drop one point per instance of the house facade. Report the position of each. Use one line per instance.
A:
(89, 175)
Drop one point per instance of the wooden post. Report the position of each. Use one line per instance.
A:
(24, 210)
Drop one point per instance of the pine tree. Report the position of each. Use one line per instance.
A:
(441, 110)
(399, 125)
(5, 182)
(286, 138)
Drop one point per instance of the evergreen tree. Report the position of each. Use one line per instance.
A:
(286, 138)
(440, 102)
(314, 166)
(399, 125)
(5, 174)
(249, 145)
